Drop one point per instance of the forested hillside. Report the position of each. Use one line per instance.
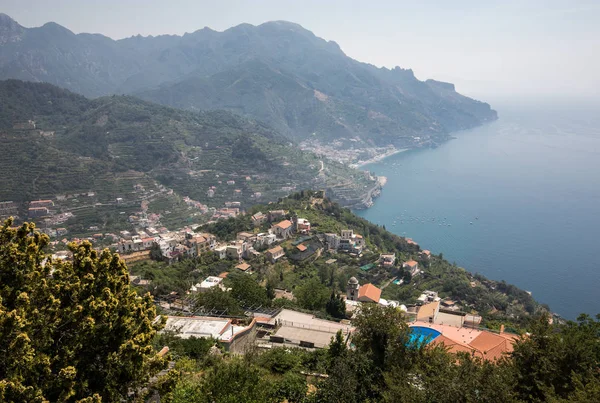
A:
(81, 145)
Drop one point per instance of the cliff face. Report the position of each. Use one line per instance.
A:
(277, 72)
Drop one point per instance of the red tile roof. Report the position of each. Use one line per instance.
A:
(369, 291)
(285, 224)
(275, 250)
(243, 266)
(301, 247)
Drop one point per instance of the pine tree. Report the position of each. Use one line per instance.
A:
(70, 330)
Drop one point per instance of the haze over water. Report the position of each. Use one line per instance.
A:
(530, 185)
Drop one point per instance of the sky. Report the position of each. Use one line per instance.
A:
(492, 49)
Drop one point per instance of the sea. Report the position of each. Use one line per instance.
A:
(517, 199)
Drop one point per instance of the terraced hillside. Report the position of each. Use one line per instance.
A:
(80, 145)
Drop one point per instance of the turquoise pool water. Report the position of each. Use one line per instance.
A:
(420, 335)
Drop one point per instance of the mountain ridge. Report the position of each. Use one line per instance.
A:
(300, 84)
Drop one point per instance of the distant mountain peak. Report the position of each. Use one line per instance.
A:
(10, 30)
(57, 28)
(6, 19)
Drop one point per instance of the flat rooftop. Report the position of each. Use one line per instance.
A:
(295, 334)
(187, 327)
(303, 320)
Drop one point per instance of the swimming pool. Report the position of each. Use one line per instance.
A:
(421, 334)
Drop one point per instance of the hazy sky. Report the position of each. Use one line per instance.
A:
(489, 49)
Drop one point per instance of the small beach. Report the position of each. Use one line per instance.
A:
(378, 158)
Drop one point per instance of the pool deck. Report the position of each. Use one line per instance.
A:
(485, 344)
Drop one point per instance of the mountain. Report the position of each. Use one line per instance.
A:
(277, 72)
(55, 142)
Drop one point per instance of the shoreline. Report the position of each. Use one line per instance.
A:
(378, 158)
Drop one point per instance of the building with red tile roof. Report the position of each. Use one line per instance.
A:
(283, 229)
(369, 293)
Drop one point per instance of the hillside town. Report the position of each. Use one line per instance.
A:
(278, 236)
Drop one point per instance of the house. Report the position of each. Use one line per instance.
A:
(351, 242)
(301, 247)
(198, 244)
(477, 343)
(283, 229)
(369, 293)
(221, 251)
(37, 212)
(426, 254)
(411, 242)
(347, 234)
(387, 260)
(350, 246)
(303, 226)
(332, 241)
(428, 296)
(275, 253)
(263, 239)
(41, 203)
(246, 236)
(207, 284)
(412, 266)
(234, 252)
(429, 312)
(243, 266)
(234, 335)
(259, 219)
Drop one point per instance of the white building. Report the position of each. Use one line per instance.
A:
(207, 284)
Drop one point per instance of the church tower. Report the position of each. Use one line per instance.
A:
(352, 289)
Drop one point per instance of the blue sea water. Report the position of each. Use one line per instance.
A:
(516, 200)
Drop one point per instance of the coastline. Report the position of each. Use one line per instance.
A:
(379, 157)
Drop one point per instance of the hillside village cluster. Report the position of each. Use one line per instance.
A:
(53, 215)
(444, 321)
(441, 317)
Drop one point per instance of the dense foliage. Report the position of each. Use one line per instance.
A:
(70, 331)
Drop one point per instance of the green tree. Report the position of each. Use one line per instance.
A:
(290, 387)
(312, 295)
(248, 292)
(337, 347)
(548, 360)
(228, 382)
(70, 331)
(336, 306)
(380, 331)
(220, 300)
